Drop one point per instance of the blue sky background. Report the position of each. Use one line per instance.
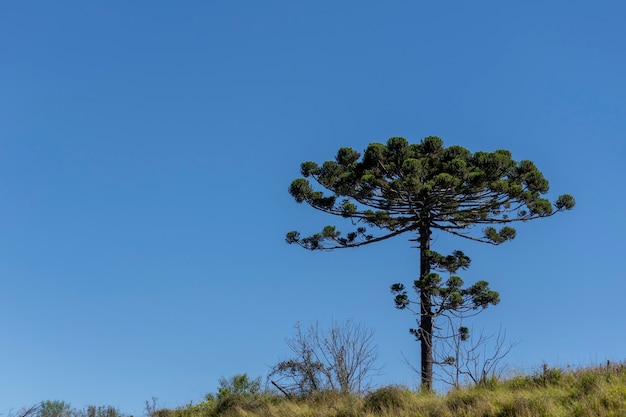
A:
(146, 149)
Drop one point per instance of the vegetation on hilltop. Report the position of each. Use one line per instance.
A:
(552, 392)
(595, 391)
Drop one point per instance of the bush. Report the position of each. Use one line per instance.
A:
(238, 385)
(549, 376)
(54, 409)
(520, 382)
(239, 391)
(587, 383)
(164, 412)
(387, 398)
(98, 411)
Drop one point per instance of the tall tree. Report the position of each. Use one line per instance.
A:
(417, 189)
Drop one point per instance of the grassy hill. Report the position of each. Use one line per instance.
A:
(598, 392)
(590, 392)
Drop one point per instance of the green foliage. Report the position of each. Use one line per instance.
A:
(99, 411)
(447, 298)
(164, 412)
(459, 399)
(57, 408)
(549, 376)
(238, 385)
(390, 398)
(399, 186)
(236, 392)
(54, 409)
(588, 383)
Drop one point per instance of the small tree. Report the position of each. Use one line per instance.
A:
(417, 189)
(238, 385)
(238, 391)
(340, 359)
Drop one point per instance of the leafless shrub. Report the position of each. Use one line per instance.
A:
(466, 359)
(341, 358)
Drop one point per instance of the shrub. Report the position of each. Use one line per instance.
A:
(387, 398)
(54, 409)
(520, 382)
(341, 358)
(587, 383)
(460, 399)
(238, 385)
(98, 411)
(236, 392)
(164, 412)
(549, 376)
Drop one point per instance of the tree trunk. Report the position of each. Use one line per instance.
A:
(426, 315)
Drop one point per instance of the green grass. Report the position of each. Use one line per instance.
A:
(597, 391)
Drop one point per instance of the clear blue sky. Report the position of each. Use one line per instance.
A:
(146, 149)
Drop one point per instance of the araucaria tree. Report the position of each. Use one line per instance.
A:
(417, 189)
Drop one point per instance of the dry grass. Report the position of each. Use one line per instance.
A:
(597, 392)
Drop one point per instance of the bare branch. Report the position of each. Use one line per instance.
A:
(343, 358)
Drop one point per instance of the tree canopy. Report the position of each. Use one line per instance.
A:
(398, 188)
